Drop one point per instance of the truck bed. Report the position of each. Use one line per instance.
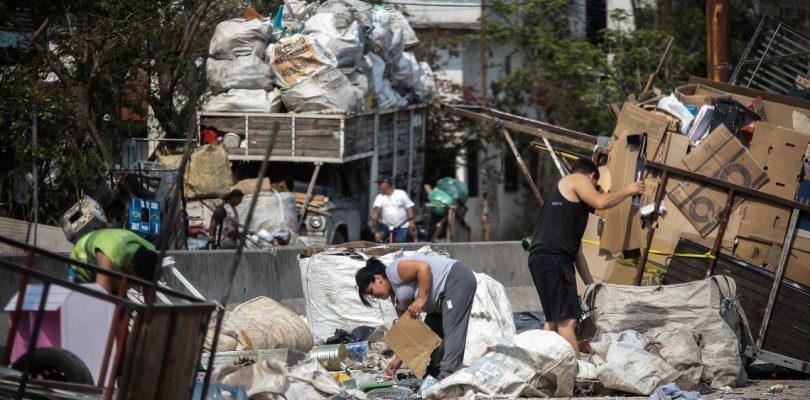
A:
(326, 138)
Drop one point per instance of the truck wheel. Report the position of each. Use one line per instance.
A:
(54, 364)
(338, 238)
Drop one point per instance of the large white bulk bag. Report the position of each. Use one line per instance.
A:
(244, 72)
(245, 100)
(238, 37)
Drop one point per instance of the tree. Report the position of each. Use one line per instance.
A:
(88, 60)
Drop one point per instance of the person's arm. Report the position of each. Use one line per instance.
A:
(216, 220)
(582, 267)
(419, 271)
(375, 215)
(105, 281)
(600, 201)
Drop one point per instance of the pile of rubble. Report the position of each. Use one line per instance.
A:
(335, 56)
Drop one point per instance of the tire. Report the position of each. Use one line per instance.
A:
(54, 364)
(338, 238)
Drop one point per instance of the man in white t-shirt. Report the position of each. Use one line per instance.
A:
(392, 209)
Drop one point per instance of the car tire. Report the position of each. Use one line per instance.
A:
(55, 364)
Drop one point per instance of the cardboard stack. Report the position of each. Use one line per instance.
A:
(772, 163)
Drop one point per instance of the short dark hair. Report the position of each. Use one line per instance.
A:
(585, 166)
(365, 276)
(144, 264)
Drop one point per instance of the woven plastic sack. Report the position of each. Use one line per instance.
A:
(238, 37)
(427, 83)
(535, 363)
(261, 324)
(345, 44)
(329, 91)
(491, 318)
(245, 72)
(245, 100)
(634, 370)
(297, 58)
(208, 173)
(274, 212)
(385, 96)
(407, 73)
(408, 35)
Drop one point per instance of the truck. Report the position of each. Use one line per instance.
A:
(335, 158)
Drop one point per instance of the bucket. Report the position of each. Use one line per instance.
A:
(329, 356)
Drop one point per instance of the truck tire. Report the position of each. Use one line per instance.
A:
(54, 364)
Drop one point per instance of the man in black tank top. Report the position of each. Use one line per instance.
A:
(556, 241)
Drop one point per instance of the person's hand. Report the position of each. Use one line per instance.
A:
(635, 188)
(393, 366)
(416, 307)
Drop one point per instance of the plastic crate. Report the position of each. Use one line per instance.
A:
(84, 217)
(144, 218)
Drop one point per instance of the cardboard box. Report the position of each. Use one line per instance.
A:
(763, 221)
(780, 152)
(798, 264)
(778, 109)
(720, 156)
(412, 341)
(756, 252)
(689, 94)
(598, 260)
(677, 148)
(622, 229)
(623, 272)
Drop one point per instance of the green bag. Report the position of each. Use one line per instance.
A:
(454, 187)
(439, 201)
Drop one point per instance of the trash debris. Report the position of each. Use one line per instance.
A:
(776, 389)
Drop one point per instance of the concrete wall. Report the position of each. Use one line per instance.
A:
(276, 274)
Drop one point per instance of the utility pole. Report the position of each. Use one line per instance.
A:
(487, 177)
(718, 66)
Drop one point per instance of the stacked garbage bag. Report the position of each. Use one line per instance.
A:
(334, 56)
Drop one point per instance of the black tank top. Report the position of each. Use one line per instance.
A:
(559, 226)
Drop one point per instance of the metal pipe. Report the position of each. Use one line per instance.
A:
(659, 197)
(522, 166)
(32, 344)
(747, 51)
(122, 287)
(721, 231)
(119, 351)
(777, 280)
(308, 196)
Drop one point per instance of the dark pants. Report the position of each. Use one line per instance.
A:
(451, 323)
(400, 234)
(555, 279)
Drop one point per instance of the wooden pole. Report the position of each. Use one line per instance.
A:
(718, 67)
(522, 166)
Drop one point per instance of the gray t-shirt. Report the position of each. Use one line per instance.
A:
(405, 293)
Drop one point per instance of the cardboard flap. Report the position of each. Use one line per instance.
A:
(413, 341)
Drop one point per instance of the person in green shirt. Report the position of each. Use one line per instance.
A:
(117, 250)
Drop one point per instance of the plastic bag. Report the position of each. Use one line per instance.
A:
(238, 37)
(439, 202)
(384, 94)
(245, 72)
(428, 83)
(632, 369)
(454, 187)
(407, 73)
(408, 36)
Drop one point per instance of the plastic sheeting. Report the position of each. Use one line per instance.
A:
(245, 100)
(491, 318)
(238, 37)
(533, 363)
(329, 91)
(345, 44)
(245, 72)
(634, 370)
(297, 58)
(697, 307)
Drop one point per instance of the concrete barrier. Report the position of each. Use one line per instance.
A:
(276, 274)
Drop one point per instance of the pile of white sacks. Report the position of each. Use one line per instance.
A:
(336, 56)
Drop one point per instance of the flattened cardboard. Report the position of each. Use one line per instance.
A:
(598, 261)
(763, 221)
(798, 265)
(622, 229)
(780, 152)
(676, 149)
(412, 341)
(720, 156)
(755, 252)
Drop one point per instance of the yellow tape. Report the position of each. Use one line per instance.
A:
(707, 254)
